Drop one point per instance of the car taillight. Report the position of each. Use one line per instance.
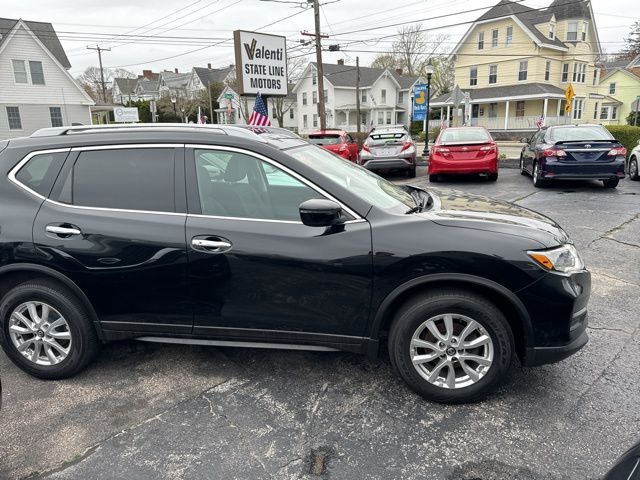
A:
(343, 148)
(614, 152)
(441, 150)
(406, 146)
(554, 152)
(365, 149)
(488, 148)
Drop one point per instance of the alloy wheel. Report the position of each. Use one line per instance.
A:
(40, 333)
(451, 351)
(633, 169)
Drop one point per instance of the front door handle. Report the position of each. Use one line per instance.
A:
(211, 244)
(63, 231)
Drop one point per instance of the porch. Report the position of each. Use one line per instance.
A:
(346, 117)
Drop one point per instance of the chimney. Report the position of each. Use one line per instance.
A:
(175, 70)
(147, 74)
(635, 71)
(341, 62)
(209, 66)
(399, 71)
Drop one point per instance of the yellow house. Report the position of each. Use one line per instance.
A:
(515, 63)
(619, 92)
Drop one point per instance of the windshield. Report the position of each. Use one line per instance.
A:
(590, 133)
(386, 138)
(464, 135)
(367, 185)
(324, 139)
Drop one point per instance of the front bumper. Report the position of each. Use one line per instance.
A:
(557, 306)
(389, 163)
(555, 170)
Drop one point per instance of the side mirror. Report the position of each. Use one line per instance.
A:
(319, 212)
(524, 140)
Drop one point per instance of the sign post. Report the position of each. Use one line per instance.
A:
(568, 94)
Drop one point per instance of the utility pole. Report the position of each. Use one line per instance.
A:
(358, 94)
(321, 112)
(100, 50)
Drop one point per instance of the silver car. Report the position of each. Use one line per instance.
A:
(632, 163)
(390, 148)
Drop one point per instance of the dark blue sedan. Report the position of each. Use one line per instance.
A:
(573, 152)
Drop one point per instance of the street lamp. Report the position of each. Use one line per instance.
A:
(429, 71)
(173, 100)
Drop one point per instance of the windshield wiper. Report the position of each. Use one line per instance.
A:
(423, 202)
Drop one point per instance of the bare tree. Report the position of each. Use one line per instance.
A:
(90, 80)
(386, 60)
(443, 77)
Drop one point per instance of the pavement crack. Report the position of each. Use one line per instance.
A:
(622, 225)
(620, 242)
(519, 199)
(607, 329)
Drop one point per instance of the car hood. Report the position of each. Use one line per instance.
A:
(458, 209)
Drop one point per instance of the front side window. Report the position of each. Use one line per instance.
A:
(520, 109)
(547, 71)
(232, 184)
(522, 73)
(40, 172)
(128, 178)
(612, 88)
(37, 75)
(565, 72)
(55, 114)
(493, 73)
(13, 116)
(572, 32)
(481, 41)
(473, 76)
(494, 38)
(509, 38)
(19, 71)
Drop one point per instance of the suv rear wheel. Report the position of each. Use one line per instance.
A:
(45, 330)
(451, 346)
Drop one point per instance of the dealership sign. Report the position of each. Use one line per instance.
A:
(124, 114)
(261, 63)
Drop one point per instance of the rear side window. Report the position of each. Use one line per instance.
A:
(130, 179)
(40, 172)
(386, 138)
(463, 135)
(328, 139)
(578, 133)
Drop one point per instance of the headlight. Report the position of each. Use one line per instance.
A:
(563, 259)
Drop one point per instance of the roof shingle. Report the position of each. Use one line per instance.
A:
(44, 32)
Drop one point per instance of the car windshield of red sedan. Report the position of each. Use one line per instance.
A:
(367, 185)
(579, 133)
(325, 139)
(453, 136)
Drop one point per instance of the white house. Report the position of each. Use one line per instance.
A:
(123, 90)
(174, 84)
(202, 77)
(36, 89)
(385, 97)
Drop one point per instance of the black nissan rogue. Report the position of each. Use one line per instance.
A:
(225, 236)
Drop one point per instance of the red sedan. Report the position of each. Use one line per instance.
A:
(338, 142)
(464, 150)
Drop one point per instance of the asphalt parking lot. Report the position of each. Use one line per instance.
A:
(180, 412)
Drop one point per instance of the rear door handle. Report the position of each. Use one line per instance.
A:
(211, 244)
(63, 231)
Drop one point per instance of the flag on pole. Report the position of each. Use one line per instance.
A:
(260, 116)
(540, 122)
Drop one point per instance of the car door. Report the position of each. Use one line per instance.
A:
(529, 152)
(255, 271)
(114, 224)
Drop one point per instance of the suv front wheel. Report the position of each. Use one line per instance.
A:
(451, 346)
(45, 330)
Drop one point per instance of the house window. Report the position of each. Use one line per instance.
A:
(494, 38)
(565, 72)
(563, 106)
(577, 109)
(552, 31)
(604, 113)
(315, 119)
(13, 114)
(380, 118)
(572, 32)
(522, 73)
(493, 73)
(55, 113)
(493, 110)
(400, 98)
(19, 71)
(326, 96)
(614, 112)
(291, 113)
(304, 98)
(383, 96)
(37, 75)
(364, 96)
(509, 38)
(612, 88)
(547, 71)
(575, 71)
(388, 118)
(595, 111)
(579, 72)
(596, 74)
(314, 79)
(480, 40)
(473, 76)
(520, 109)
(585, 29)
(583, 73)
(305, 123)
(314, 96)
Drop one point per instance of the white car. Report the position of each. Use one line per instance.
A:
(632, 163)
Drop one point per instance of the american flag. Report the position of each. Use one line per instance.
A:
(260, 116)
(540, 122)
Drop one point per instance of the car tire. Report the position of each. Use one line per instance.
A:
(538, 182)
(411, 329)
(492, 177)
(434, 178)
(65, 328)
(633, 169)
(411, 172)
(522, 169)
(611, 183)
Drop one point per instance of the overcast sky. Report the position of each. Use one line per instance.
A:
(197, 24)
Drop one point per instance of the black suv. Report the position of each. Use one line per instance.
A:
(225, 236)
